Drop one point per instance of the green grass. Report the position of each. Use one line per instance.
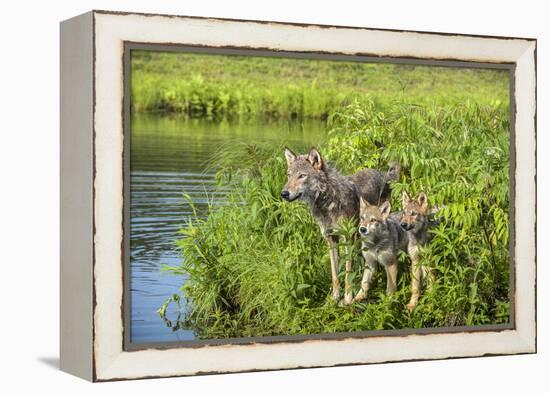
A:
(218, 86)
(258, 266)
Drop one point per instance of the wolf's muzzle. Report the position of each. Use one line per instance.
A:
(406, 226)
(288, 197)
(363, 230)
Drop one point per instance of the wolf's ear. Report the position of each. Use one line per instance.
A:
(423, 200)
(289, 155)
(406, 198)
(315, 159)
(385, 209)
(362, 204)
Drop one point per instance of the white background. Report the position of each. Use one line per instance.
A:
(29, 197)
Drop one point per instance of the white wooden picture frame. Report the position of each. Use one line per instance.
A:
(93, 344)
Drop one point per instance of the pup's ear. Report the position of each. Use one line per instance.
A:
(423, 200)
(406, 198)
(385, 209)
(315, 159)
(289, 155)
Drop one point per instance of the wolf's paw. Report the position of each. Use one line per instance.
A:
(336, 295)
(361, 295)
(411, 306)
(348, 299)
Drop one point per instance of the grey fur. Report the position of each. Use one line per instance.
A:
(390, 236)
(416, 219)
(332, 196)
(384, 234)
(382, 237)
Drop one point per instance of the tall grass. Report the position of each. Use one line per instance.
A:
(258, 265)
(217, 86)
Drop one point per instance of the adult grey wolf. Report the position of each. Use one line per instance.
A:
(331, 197)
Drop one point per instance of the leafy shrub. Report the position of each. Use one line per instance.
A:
(257, 265)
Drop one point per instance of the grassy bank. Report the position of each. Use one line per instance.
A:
(239, 86)
(258, 266)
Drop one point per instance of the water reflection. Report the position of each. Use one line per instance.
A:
(169, 157)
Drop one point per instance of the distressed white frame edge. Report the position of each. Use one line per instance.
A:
(112, 30)
(76, 193)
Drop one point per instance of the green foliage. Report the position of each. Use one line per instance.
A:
(258, 266)
(216, 86)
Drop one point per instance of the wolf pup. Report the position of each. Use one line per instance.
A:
(331, 197)
(416, 221)
(381, 238)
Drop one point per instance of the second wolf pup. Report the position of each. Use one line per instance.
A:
(415, 220)
(382, 237)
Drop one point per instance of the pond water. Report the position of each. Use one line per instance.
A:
(168, 157)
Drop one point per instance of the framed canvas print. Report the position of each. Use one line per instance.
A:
(247, 195)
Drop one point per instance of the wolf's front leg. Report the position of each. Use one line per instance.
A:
(416, 277)
(391, 277)
(333, 253)
(348, 294)
(370, 268)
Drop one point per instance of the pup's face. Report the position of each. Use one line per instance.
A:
(303, 173)
(372, 218)
(414, 212)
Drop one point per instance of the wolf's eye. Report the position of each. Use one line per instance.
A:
(373, 220)
(414, 214)
(301, 175)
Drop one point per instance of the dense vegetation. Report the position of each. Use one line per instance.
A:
(257, 265)
(235, 86)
